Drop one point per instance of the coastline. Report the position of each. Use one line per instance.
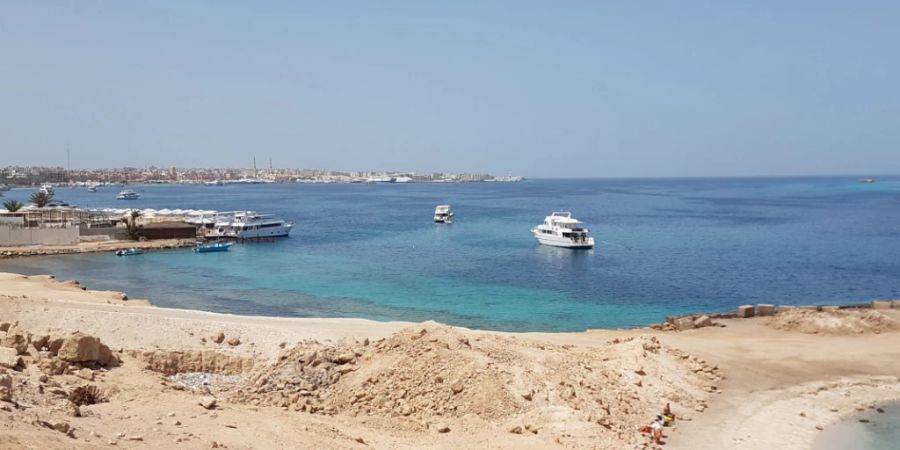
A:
(92, 247)
(765, 387)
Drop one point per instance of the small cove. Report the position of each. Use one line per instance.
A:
(880, 432)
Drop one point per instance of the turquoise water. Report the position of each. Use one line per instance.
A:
(882, 432)
(665, 246)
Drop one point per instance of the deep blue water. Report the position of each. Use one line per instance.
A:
(665, 246)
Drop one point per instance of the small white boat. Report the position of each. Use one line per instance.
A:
(560, 229)
(129, 252)
(442, 214)
(214, 183)
(866, 180)
(46, 188)
(92, 188)
(128, 194)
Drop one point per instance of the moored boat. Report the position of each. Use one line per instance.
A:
(250, 225)
(213, 247)
(129, 252)
(560, 229)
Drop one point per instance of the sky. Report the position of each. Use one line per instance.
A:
(534, 88)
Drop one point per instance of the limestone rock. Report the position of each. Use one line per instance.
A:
(53, 366)
(881, 304)
(684, 323)
(765, 309)
(9, 358)
(39, 342)
(82, 348)
(702, 321)
(15, 339)
(442, 428)
(745, 311)
(86, 374)
(208, 402)
(234, 342)
(5, 387)
(218, 338)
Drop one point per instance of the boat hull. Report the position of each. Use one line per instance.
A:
(273, 232)
(556, 241)
(222, 248)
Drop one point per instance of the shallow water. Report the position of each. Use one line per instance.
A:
(881, 433)
(664, 247)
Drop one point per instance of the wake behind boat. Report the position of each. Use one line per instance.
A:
(560, 229)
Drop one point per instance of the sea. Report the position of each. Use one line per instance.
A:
(664, 247)
(869, 430)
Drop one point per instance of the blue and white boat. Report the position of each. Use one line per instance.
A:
(213, 247)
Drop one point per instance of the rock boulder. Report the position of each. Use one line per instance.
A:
(9, 358)
(82, 348)
(745, 311)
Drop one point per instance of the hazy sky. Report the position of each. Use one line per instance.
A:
(543, 88)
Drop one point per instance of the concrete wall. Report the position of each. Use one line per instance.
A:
(14, 236)
(115, 233)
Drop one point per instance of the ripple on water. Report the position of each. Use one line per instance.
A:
(881, 432)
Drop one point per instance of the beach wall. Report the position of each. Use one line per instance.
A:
(113, 233)
(12, 236)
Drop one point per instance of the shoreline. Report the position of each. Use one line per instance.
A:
(758, 376)
(849, 432)
(92, 247)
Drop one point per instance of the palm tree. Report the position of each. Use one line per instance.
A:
(41, 198)
(131, 226)
(12, 205)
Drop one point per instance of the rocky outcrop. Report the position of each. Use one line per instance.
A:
(16, 339)
(9, 358)
(85, 349)
(5, 387)
(171, 363)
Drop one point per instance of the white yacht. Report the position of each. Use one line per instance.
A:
(560, 229)
(128, 194)
(249, 225)
(46, 188)
(442, 214)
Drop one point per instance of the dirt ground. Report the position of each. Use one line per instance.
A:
(346, 383)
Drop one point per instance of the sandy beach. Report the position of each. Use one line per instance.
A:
(352, 383)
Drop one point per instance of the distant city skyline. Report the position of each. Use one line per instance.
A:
(669, 89)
